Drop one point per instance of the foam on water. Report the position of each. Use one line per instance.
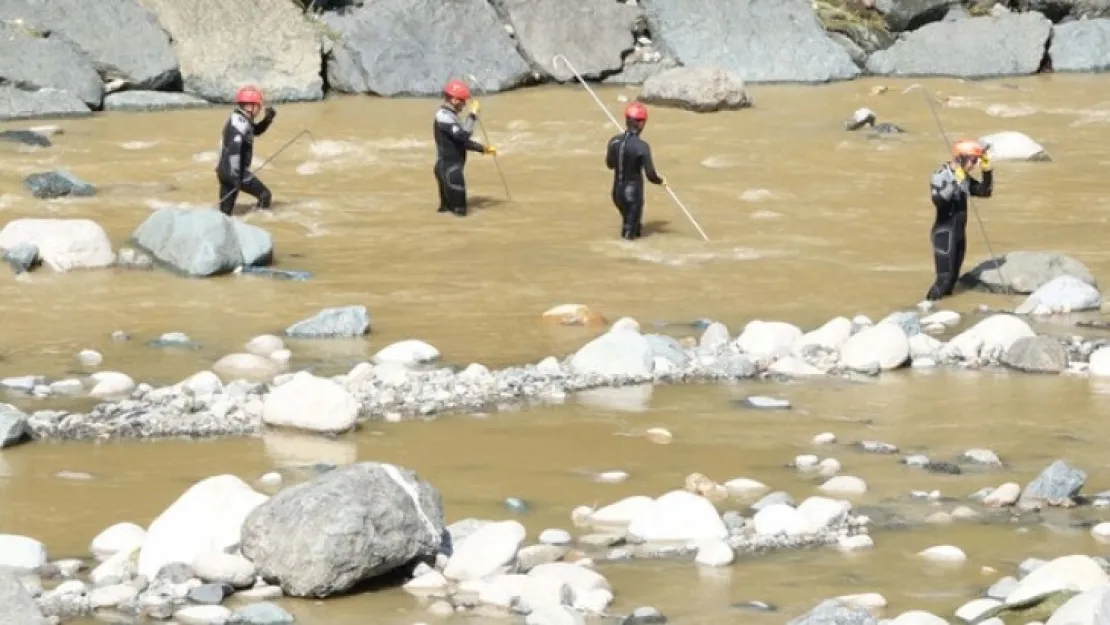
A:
(209, 156)
(138, 145)
(328, 148)
(756, 195)
(766, 214)
(308, 168)
(8, 200)
(717, 162)
(154, 204)
(1007, 110)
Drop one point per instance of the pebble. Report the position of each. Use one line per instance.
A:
(845, 485)
(984, 457)
(555, 537)
(1005, 495)
(829, 467)
(1101, 532)
(766, 403)
(611, 477)
(89, 357)
(271, 479)
(516, 504)
(806, 462)
(824, 438)
(659, 436)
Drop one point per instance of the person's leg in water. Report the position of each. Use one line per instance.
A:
(637, 217)
(441, 185)
(455, 189)
(944, 257)
(632, 197)
(229, 192)
(253, 186)
(618, 202)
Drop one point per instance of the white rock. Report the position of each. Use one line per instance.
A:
(487, 551)
(500, 591)
(111, 384)
(554, 536)
(678, 516)
(625, 324)
(924, 346)
(824, 438)
(554, 615)
(307, 402)
(21, 552)
(430, 583)
(990, 337)
(537, 592)
(743, 487)
(714, 553)
(845, 484)
(1099, 363)
(111, 596)
(1101, 532)
(768, 340)
(615, 354)
(202, 615)
(118, 567)
(1076, 573)
(594, 602)
(1062, 294)
(778, 519)
(918, 617)
(407, 353)
(821, 513)
(793, 367)
(714, 338)
(119, 537)
(859, 542)
(974, 611)
(264, 345)
(1010, 145)
(1087, 608)
(944, 553)
(885, 345)
(580, 579)
(202, 384)
(224, 568)
(246, 366)
(64, 244)
(830, 336)
(611, 477)
(868, 601)
(271, 479)
(806, 462)
(89, 357)
(206, 517)
(942, 317)
(623, 511)
(1005, 495)
(828, 467)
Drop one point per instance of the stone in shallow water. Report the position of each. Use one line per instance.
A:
(55, 184)
(337, 322)
(1058, 484)
(765, 403)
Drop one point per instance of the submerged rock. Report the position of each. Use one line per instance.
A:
(1062, 294)
(698, 89)
(55, 184)
(410, 47)
(1010, 145)
(352, 524)
(1025, 272)
(338, 322)
(26, 137)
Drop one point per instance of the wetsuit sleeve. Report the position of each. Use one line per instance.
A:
(943, 186)
(649, 165)
(459, 131)
(984, 188)
(264, 125)
(611, 152)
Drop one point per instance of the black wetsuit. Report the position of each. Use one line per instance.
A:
(236, 154)
(629, 157)
(452, 143)
(949, 233)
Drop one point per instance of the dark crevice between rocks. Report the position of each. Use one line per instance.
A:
(539, 74)
(1046, 60)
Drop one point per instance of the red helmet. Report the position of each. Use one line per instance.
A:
(968, 148)
(248, 95)
(636, 111)
(456, 89)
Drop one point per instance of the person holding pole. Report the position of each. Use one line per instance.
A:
(453, 141)
(237, 150)
(629, 156)
(950, 188)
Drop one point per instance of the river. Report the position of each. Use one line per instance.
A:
(807, 222)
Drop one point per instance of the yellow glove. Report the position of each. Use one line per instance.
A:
(985, 162)
(492, 151)
(475, 106)
(961, 175)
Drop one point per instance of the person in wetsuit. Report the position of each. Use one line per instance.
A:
(453, 141)
(237, 150)
(950, 187)
(629, 157)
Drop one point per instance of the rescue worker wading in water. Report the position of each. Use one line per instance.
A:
(453, 140)
(950, 187)
(629, 157)
(237, 151)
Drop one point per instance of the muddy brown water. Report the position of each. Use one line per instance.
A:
(807, 222)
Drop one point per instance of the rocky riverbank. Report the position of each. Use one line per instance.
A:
(73, 57)
(247, 391)
(225, 551)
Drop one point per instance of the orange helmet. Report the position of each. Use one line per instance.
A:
(637, 112)
(457, 89)
(249, 95)
(968, 148)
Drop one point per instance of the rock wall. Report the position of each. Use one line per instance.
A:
(72, 57)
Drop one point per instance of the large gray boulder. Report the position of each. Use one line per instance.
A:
(34, 60)
(760, 41)
(1012, 44)
(349, 525)
(222, 46)
(594, 35)
(699, 89)
(16, 605)
(201, 243)
(30, 103)
(121, 38)
(1081, 46)
(412, 47)
(152, 101)
(1025, 272)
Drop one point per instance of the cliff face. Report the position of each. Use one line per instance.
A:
(71, 57)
